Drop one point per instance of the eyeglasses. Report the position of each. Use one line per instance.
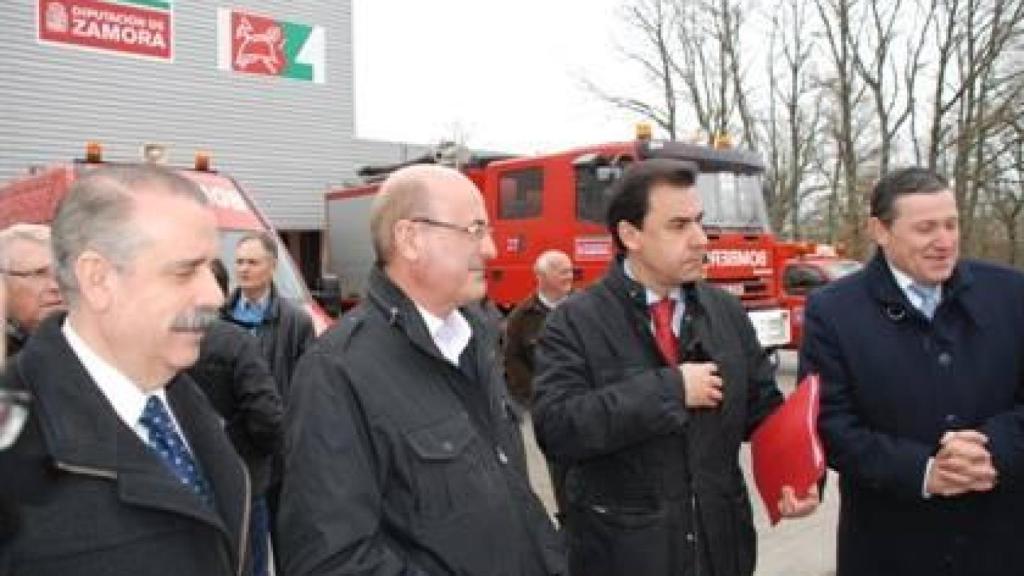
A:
(41, 273)
(478, 230)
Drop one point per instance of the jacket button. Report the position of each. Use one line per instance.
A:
(689, 536)
(945, 359)
(447, 446)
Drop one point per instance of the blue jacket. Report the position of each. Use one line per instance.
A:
(893, 383)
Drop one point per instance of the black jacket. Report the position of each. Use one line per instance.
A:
(652, 487)
(284, 334)
(232, 373)
(398, 463)
(893, 383)
(103, 503)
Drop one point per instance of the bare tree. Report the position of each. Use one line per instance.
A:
(794, 114)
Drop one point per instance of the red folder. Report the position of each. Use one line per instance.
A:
(786, 449)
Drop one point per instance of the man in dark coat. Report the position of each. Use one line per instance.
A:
(136, 475)
(921, 358)
(283, 331)
(553, 270)
(647, 383)
(404, 456)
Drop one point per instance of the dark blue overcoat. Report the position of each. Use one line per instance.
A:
(893, 383)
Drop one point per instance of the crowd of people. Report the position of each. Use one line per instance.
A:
(154, 422)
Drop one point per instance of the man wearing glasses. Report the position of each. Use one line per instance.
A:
(26, 266)
(404, 454)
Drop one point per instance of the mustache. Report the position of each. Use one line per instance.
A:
(196, 320)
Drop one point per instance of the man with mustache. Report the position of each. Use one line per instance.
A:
(26, 269)
(404, 455)
(921, 357)
(647, 382)
(136, 474)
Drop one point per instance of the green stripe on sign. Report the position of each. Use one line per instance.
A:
(296, 36)
(160, 4)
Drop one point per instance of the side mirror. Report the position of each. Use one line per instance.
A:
(328, 294)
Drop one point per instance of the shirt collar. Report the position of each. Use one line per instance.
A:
(451, 334)
(652, 297)
(904, 281)
(550, 304)
(127, 399)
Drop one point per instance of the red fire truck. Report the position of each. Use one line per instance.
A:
(34, 198)
(803, 267)
(558, 201)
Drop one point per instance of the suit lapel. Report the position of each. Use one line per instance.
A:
(85, 436)
(217, 458)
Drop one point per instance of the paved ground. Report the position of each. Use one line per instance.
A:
(804, 547)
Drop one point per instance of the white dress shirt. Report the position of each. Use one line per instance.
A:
(450, 334)
(127, 399)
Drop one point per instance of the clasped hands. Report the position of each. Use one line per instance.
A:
(962, 464)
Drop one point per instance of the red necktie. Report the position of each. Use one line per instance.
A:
(662, 312)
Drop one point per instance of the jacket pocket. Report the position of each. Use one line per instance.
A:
(607, 539)
(446, 468)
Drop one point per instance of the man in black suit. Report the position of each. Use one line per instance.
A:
(921, 357)
(136, 473)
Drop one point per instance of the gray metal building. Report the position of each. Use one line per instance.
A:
(286, 140)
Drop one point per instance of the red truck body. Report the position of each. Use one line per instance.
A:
(34, 198)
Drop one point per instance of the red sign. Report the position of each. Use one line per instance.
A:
(106, 26)
(257, 45)
(593, 248)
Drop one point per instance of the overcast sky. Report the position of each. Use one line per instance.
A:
(505, 75)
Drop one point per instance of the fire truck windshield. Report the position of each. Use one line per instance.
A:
(733, 201)
(286, 278)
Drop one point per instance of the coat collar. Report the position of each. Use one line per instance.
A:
(271, 314)
(636, 293)
(399, 311)
(84, 435)
(957, 289)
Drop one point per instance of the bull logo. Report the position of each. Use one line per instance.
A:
(265, 47)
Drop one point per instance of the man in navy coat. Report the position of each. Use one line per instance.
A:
(921, 356)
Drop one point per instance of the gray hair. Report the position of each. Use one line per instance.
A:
(22, 232)
(543, 262)
(404, 194)
(265, 240)
(96, 215)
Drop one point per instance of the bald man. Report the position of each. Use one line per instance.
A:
(404, 454)
(553, 269)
